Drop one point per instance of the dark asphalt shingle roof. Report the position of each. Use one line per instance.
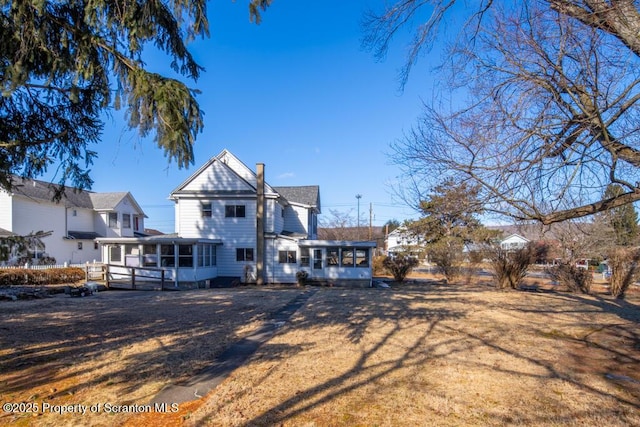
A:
(73, 197)
(308, 195)
(40, 190)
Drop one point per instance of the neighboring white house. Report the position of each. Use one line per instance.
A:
(74, 222)
(513, 242)
(401, 240)
(221, 232)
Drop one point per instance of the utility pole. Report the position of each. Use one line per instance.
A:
(358, 196)
(370, 221)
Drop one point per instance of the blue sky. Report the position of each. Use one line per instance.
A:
(296, 93)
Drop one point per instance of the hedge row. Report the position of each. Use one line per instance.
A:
(52, 276)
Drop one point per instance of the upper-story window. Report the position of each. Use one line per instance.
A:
(113, 219)
(126, 220)
(234, 211)
(206, 210)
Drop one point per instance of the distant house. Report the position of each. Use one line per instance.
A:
(74, 222)
(230, 223)
(514, 242)
(401, 240)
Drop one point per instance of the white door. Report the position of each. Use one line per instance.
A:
(317, 270)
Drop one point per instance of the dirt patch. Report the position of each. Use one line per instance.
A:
(409, 355)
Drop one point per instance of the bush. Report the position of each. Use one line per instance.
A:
(510, 267)
(447, 256)
(624, 266)
(301, 277)
(378, 266)
(28, 277)
(573, 278)
(400, 266)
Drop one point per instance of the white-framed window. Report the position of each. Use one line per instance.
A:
(206, 210)
(333, 255)
(115, 253)
(113, 219)
(287, 257)
(126, 220)
(167, 256)
(206, 255)
(149, 255)
(362, 258)
(234, 211)
(304, 257)
(244, 254)
(347, 258)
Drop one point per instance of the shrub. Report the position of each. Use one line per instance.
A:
(400, 266)
(301, 277)
(28, 277)
(624, 266)
(447, 256)
(510, 267)
(572, 277)
(378, 266)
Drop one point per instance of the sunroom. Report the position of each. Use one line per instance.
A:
(342, 263)
(182, 261)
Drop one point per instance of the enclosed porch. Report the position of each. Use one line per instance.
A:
(179, 261)
(337, 262)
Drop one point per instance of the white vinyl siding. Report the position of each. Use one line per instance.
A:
(190, 223)
(219, 176)
(275, 219)
(296, 219)
(277, 272)
(82, 221)
(6, 210)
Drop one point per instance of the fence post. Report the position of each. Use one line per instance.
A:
(133, 278)
(162, 280)
(86, 271)
(106, 275)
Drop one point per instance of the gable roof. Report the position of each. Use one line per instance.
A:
(106, 201)
(109, 201)
(225, 162)
(306, 195)
(516, 236)
(73, 197)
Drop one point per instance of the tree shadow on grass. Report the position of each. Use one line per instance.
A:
(355, 312)
(123, 339)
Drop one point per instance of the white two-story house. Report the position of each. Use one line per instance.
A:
(401, 240)
(230, 223)
(73, 223)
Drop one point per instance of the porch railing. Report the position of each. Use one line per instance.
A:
(134, 276)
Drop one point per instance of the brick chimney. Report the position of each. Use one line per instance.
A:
(260, 204)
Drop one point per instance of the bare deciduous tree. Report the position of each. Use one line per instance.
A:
(542, 106)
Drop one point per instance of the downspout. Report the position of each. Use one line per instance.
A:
(260, 202)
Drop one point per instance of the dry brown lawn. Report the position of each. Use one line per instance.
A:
(418, 354)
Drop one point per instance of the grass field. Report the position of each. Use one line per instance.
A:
(419, 354)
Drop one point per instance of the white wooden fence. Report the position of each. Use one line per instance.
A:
(93, 270)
